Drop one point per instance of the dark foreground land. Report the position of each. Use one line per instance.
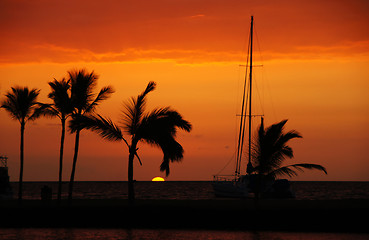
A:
(281, 215)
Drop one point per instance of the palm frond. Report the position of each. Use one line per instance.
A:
(288, 171)
(20, 102)
(270, 148)
(161, 122)
(61, 96)
(283, 171)
(172, 151)
(52, 112)
(134, 109)
(281, 142)
(103, 126)
(41, 110)
(175, 119)
(159, 128)
(276, 129)
(104, 94)
(129, 116)
(82, 85)
(287, 151)
(290, 135)
(301, 166)
(164, 166)
(150, 87)
(9, 106)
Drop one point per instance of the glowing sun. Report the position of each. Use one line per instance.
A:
(158, 179)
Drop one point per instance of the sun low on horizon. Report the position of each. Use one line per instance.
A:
(158, 179)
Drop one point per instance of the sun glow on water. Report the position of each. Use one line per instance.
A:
(157, 179)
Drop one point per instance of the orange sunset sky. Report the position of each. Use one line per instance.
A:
(315, 57)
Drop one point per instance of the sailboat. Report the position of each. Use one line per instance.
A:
(236, 185)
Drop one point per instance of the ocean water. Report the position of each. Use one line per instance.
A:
(166, 234)
(179, 190)
(188, 190)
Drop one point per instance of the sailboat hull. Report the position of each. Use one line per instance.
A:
(231, 189)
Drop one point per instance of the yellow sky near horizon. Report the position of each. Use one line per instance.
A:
(315, 73)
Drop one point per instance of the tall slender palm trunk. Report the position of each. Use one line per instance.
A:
(131, 191)
(74, 165)
(20, 189)
(61, 160)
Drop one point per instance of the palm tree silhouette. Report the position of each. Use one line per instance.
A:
(21, 103)
(61, 108)
(157, 128)
(269, 152)
(84, 101)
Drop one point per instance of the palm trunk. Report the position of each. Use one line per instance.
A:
(131, 191)
(61, 160)
(259, 186)
(74, 166)
(20, 190)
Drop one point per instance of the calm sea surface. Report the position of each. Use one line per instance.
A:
(189, 190)
(179, 190)
(167, 234)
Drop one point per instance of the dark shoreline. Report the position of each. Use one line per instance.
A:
(349, 215)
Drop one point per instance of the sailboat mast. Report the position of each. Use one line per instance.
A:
(249, 166)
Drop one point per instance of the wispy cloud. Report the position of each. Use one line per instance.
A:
(197, 16)
(59, 54)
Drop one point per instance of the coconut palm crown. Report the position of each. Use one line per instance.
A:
(157, 128)
(21, 103)
(270, 150)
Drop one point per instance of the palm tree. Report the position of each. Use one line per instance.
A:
(21, 103)
(84, 101)
(157, 128)
(271, 149)
(61, 108)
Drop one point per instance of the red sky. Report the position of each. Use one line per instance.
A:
(315, 57)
